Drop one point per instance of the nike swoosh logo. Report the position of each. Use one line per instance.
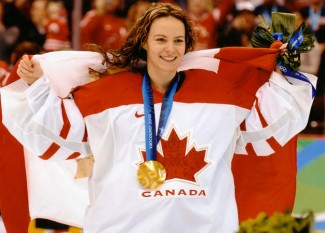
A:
(137, 115)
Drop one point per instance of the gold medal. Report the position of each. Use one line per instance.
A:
(151, 174)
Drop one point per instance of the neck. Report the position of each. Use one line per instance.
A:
(159, 87)
(161, 81)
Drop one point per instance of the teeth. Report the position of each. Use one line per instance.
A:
(169, 58)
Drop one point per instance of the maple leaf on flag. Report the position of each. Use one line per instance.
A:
(177, 163)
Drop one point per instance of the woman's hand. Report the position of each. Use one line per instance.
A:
(29, 70)
(283, 49)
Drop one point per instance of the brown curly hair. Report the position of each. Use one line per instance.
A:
(131, 55)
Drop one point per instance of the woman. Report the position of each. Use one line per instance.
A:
(184, 174)
(102, 25)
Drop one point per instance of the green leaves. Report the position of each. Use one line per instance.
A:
(309, 39)
(284, 23)
(262, 38)
(278, 223)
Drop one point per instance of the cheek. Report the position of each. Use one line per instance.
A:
(152, 54)
(182, 50)
(153, 51)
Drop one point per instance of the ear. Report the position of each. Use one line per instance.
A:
(145, 46)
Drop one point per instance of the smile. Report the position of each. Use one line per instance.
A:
(169, 58)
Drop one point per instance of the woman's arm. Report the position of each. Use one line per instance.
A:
(281, 110)
(47, 125)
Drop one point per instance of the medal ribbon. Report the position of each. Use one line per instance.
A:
(152, 139)
(293, 44)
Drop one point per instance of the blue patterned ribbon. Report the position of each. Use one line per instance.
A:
(152, 139)
(293, 44)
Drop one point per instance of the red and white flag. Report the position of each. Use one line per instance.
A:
(68, 69)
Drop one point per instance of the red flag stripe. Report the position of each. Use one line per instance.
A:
(262, 119)
(74, 155)
(271, 141)
(63, 134)
(66, 123)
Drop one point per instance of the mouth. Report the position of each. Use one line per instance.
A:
(168, 59)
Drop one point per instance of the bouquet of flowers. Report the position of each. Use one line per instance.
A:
(278, 223)
(300, 40)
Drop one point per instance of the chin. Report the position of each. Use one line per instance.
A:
(172, 70)
(172, 67)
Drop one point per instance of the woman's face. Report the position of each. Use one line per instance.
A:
(38, 12)
(165, 45)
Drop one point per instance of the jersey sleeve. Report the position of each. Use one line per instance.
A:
(39, 116)
(280, 111)
(45, 124)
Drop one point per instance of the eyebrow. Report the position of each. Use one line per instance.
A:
(166, 36)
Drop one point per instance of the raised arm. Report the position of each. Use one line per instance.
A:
(281, 110)
(47, 125)
(29, 69)
(282, 105)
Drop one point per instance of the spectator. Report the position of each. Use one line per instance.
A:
(16, 15)
(57, 29)
(135, 12)
(314, 14)
(266, 9)
(205, 19)
(39, 16)
(309, 61)
(240, 29)
(102, 26)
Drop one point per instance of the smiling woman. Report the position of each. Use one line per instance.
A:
(170, 170)
(165, 49)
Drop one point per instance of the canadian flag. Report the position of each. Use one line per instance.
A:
(13, 186)
(70, 208)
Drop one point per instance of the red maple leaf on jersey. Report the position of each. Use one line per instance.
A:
(177, 163)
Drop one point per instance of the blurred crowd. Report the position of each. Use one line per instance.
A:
(37, 26)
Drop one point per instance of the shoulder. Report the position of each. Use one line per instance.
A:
(200, 79)
(111, 82)
(199, 74)
(110, 91)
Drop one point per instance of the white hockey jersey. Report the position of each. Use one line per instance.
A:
(217, 111)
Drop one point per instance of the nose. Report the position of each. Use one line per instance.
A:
(170, 46)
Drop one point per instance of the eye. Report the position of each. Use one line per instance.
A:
(160, 40)
(179, 41)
